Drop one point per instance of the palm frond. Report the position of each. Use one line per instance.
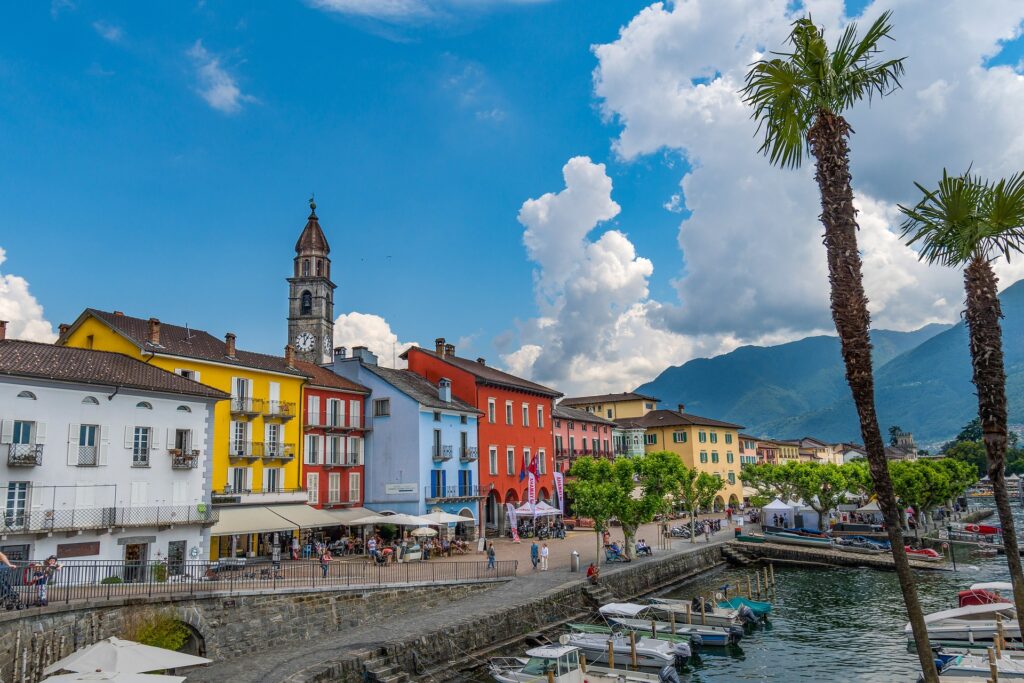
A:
(1002, 208)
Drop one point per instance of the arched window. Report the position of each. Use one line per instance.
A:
(27, 394)
(306, 306)
(90, 401)
(319, 267)
(145, 405)
(305, 267)
(185, 409)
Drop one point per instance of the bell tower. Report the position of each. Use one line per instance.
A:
(311, 295)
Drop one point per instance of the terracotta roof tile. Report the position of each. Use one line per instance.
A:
(576, 415)
(606, 398)
(419, 388)
(322, 377)
(673, 418)
(489, 375)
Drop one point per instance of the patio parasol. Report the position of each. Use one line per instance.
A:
(115, 676)
(424, 531)
(114, 655)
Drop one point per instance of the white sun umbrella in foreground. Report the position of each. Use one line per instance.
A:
(442, 517)
(123, 656)
(424, 531)
(115, 676)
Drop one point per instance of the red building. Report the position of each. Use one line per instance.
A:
(514, 429)
(334, 421)
(579, 433)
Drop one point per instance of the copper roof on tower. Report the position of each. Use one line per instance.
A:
(312, 238)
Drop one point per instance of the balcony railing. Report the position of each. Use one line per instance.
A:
(278, 451)
(88, 456)
(41, 521)
(468, 453)
(262, 496)
(334, 421)
(246, 449)
(246, 405)
(432, 493)
(278, 410)
(344, 460)
(184, 459)
(442, 453)
(25, 455)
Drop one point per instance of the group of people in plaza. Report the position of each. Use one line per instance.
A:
(539, 556)
(39, 575)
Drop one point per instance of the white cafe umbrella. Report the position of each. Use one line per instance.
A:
(424, 531)
(397, 520)
(123, 656)
(115, 676)
(442, 517)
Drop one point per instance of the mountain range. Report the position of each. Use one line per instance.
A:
(922, 382)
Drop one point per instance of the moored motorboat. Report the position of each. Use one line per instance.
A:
(640, 618)
(685, 610)
(788, 538)
(974, 623)
(758, 607)
(564, 662)
(960, 666)
(924, 554)
(859, 547)
(651, 653)
(984, 593)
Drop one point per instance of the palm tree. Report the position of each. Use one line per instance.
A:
(798, 99)
(967, 223)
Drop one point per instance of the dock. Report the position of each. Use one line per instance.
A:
(740, 553)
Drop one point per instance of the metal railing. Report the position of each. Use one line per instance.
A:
(230, 491)
(79, 580)
(73, 519)
(442, 453)
(88, 456)
(245, 449)
(280, 410)
(246, 405)
(25, 455)
(457, 491)
(184, 459)
(334, 421)
(468, 453)
(278, 451)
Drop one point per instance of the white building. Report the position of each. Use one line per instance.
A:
(105, 457)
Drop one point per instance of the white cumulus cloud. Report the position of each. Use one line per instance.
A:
(108, 31)
(397, 11)
(21, 310)
(215, 85)
(373, 332)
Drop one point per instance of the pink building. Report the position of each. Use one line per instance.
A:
(578, 433)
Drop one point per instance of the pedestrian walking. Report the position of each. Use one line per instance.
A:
(544, 557)
(491, 557)
(295, 547)
(534, 555)
(325, 560)
(7, 595)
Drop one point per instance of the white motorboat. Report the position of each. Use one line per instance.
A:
(564, 662)
(651, 653)
(974, 665)
(972, 623)
(711, 616)
(640, 618)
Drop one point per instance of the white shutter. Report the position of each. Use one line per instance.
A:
(234, 386)
(85, 496)
(334, 487)
(154, 439)
(6, 431)
(353, 487)
(231, 478)
(179, 493)
(354, 408)
(129, 437)
(248, 478)
(139, 493)
(313, 487)
(73, 431)
(266, 433)
(266, 471)
(40, 432)
(275, 391)
(104, 445)
(195, 375)
(170, 438)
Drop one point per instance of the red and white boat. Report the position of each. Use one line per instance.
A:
(985, 593)
(924, 554)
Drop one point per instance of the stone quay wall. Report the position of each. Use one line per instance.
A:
(223, 625)
(809, 556)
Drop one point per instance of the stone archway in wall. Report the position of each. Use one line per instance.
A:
(545, 496)
(511, 496)
(492, 510)
(719, 503)
(734, 502)
(467, 529)
(192, 619)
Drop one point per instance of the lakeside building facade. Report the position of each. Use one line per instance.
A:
(422, 441)
(777, 452)
(580, 434)
(702, 443)
(613, 406)
(748, 450)
(107, 457)
(515, 425)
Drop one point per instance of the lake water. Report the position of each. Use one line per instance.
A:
(836, 624)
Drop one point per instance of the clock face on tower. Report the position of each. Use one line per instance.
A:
(304, 341)
(327, 346)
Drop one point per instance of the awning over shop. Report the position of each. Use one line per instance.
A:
(346, 516)
(249, 520)
(303, 516)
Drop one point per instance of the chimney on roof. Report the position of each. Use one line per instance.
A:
(229, 344)
(364, 355)
(154, 332)
(289, 355)
(449, 349)
(439, 346)
(339, 352)
(120, 313)
(682, 408)
(444, 390)
(63, 328)
(481, 361)
(3, 330)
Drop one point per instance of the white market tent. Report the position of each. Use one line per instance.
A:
(540, 509)
(777, 507)
(870, 508)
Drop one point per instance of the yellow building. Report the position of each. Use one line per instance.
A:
(613, 406)
(256, 435)
(708, 445)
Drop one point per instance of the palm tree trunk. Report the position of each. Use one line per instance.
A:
(983, 315)
(827, 139)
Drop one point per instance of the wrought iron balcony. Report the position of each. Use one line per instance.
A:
(25, 455)
(184, 459)
(468, 453)
(278, 451)
(457, 492)
(73, 519)
(443, 453)
(246, 406)
(245, 450)
(334, 422)
(278, 410)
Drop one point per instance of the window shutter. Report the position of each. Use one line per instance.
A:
(154, 439)
(231, 478)
(234, 386)
(129, 437)
(104, 445)
(73, 430)
(248, 478)
(6, 431)
(275, 391)
(40, 432)
(195, 375)
(170, 438)
(179, 493)
(266, 471)
(312, 488)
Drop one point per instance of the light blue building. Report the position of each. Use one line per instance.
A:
(421, 452)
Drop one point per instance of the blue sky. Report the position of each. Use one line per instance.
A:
(156, 158)
(124, 189)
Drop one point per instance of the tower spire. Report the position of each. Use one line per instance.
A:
(312, 205)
